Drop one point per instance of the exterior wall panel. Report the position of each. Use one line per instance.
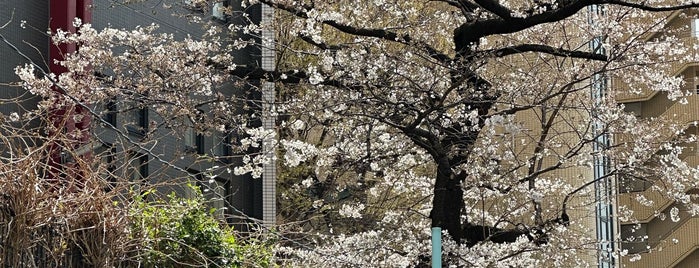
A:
(30, 40)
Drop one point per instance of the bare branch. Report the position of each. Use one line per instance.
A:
(321, 45)
(518, 49)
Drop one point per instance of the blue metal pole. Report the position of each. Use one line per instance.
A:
(436, 247)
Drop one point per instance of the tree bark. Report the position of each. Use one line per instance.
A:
(448, 200)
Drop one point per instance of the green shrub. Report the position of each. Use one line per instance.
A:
(182, 232)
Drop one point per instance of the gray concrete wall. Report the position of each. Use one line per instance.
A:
(30, 40)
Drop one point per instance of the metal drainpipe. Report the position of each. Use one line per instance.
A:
(604, 187)
(269, 210)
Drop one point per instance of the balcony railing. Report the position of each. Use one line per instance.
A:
(677, 67)
(680, 243)
(684, 114)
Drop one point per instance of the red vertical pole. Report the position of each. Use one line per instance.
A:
(84, 12)
(62, 115)
(62, 13)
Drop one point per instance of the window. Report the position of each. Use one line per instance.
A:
(110, 113)
(193, 141)
(216, 190)
(221, 146)
(107, 153)
(137, 170)
(137, 167)
(137, 120)
(695, 27)
(190, 137)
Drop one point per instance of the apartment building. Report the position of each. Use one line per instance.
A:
(170, 157)
(662, 232)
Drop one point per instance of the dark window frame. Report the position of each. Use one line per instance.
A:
(139, 118)
(141, 160)
(110, 115)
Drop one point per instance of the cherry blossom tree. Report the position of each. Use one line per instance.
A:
(495, 99)
(483, 118)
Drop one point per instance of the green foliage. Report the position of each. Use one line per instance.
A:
(184, 232)
(256, 252)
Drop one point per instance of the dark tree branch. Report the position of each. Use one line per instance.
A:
(569, 195)
(422, 142)
(518, 49)
(469, 33)
(647, 7)
(465, 7)
(366, 32)
(535, 163)
(574, 151)
(251, 72)
(467, 4)
(468, 8)
(321, 45)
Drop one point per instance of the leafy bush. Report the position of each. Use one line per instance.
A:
(183, 232)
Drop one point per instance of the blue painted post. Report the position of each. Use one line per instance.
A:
(436, 247)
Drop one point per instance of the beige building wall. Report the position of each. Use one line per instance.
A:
(658, 240)
(568, 128)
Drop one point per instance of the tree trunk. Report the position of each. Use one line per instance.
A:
(448, 201)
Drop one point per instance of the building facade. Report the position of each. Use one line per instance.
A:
(128, 137)
(661, 232)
